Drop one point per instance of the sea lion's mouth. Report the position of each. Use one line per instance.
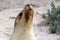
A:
(28, 12)
(27, 16)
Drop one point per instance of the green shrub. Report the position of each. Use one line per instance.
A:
(53, 18)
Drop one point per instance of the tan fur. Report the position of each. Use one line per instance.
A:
(23, 25)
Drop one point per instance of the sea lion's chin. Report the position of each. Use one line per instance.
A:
(28, 14)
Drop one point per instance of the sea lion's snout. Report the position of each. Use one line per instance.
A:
(28, 11)
(28, 7)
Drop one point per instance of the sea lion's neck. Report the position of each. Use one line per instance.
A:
(23, 32)
(25, 25)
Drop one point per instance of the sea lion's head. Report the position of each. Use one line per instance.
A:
(25, 16)
(28, 11)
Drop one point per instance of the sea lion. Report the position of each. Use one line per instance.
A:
(23, 29)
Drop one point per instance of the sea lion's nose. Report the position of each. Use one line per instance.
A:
(30, 9)
(30, 6)
(27, 5)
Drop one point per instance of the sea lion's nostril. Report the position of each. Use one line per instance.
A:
(27, 5)
(30, 9)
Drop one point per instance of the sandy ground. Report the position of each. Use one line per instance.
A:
(7, 25)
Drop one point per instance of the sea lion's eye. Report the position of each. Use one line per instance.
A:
(20, 14)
